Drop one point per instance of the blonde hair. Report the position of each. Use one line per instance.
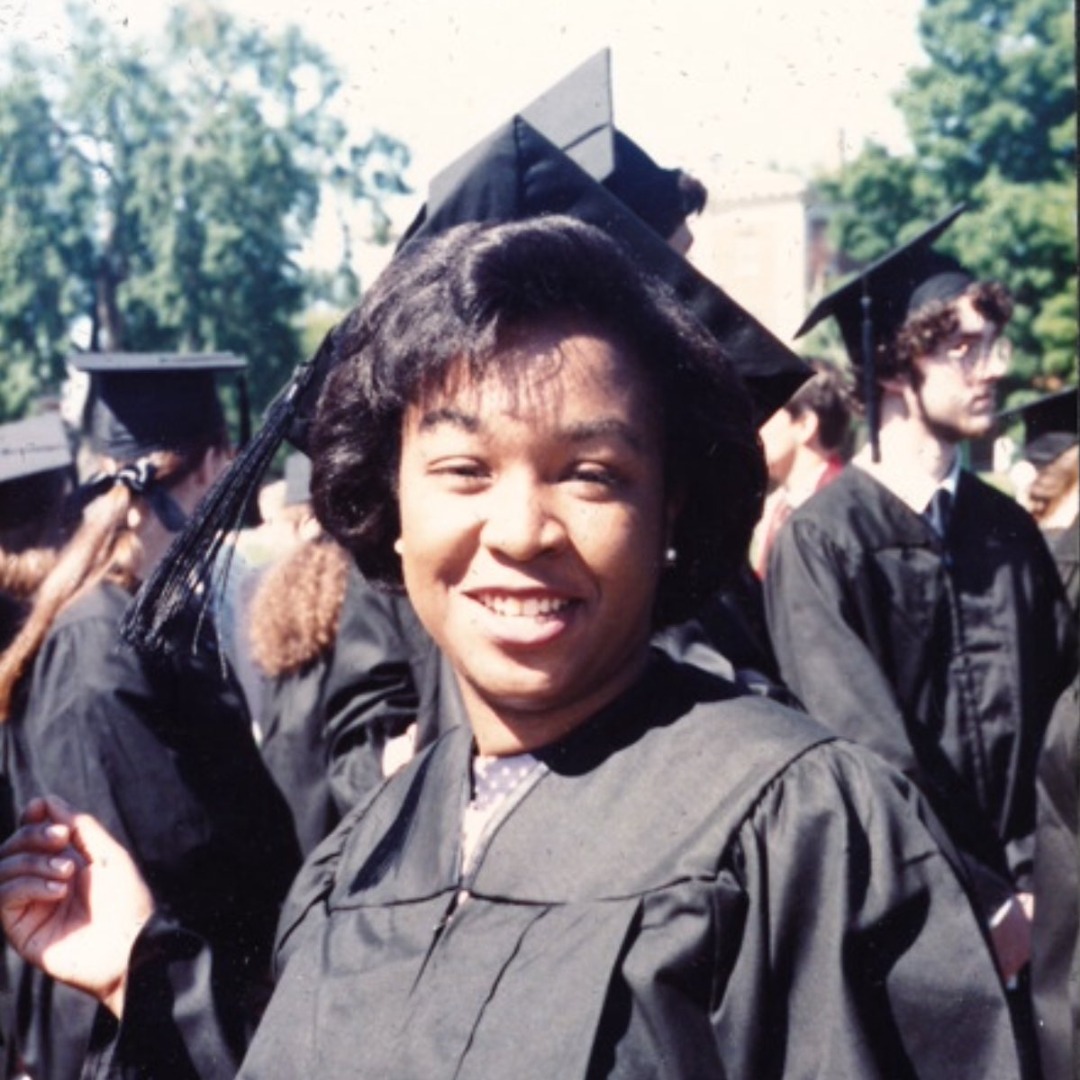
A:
(296, 609)
(22, 572)
(105, 547)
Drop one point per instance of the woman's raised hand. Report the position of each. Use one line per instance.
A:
(72, 901)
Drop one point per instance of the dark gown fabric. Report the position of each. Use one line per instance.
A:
(294, 747)
(1055, 950)
(692, 885)
(945, 659)
(387, 673)
(1065, 547)
(163, 754)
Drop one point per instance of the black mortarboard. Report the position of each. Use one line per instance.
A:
(872, 306)
(1050, 425)
(519, 172)
(650, 190)
(575, 115)
(142, 402)
(35, 462)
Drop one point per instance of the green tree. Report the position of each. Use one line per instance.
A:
(992, 121)
(159, 195)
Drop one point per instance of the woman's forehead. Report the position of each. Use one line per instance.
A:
(539, 374)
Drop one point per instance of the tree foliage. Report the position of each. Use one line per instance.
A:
(156, 197)
(992, 121)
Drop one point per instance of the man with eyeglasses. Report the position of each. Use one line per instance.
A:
(913, 607)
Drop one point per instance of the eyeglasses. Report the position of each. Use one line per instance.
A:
(968, 351)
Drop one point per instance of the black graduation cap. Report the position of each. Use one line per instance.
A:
(35, 463)
(142, 402)
(519, 171)
(872, 306)
(1050, 425)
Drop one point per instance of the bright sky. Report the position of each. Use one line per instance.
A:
(728, 83)
(767, 81)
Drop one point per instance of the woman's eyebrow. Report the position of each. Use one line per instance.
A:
(433, 418)
(605, 428)
(585, 431)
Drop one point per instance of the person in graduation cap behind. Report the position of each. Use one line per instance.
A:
(915, 608)
(1053, 495)
(160, 751)
(37, 473)
(622, 866)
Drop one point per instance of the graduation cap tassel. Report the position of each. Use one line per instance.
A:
(191, 567)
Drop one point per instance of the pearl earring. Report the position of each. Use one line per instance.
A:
(671, 557)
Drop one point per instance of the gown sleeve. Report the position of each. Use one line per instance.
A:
(83, 688)
(169, 1027)
(370, 693)
(860, 946)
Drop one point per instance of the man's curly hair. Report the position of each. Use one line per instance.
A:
(932, 325)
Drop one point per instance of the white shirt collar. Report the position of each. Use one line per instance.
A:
(911, 485)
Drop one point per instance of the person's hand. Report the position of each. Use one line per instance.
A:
(72, 902)
(1010, 932)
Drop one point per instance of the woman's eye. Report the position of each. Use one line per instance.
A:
(459, 471)
(594, 475)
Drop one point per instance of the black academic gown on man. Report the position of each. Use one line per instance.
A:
(693, 884)
(944, 658)
(162, 753)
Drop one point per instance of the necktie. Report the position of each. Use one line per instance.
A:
(940, 511)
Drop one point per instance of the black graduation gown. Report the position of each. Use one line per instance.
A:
(1055, 946)
(948, 666)
(163, 754)
(694, 885)
(294, 747)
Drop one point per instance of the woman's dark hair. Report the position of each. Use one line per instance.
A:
(462, 296)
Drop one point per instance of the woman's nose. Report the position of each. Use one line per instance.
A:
(520, 522)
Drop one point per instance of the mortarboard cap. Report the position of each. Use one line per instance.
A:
(35, 461)
(519, 172)
(575, 115)
(1050, 425)
(872, 306)
(142, 402)
(652, 192)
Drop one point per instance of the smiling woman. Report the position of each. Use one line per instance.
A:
(533, 521)
(623, 868)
